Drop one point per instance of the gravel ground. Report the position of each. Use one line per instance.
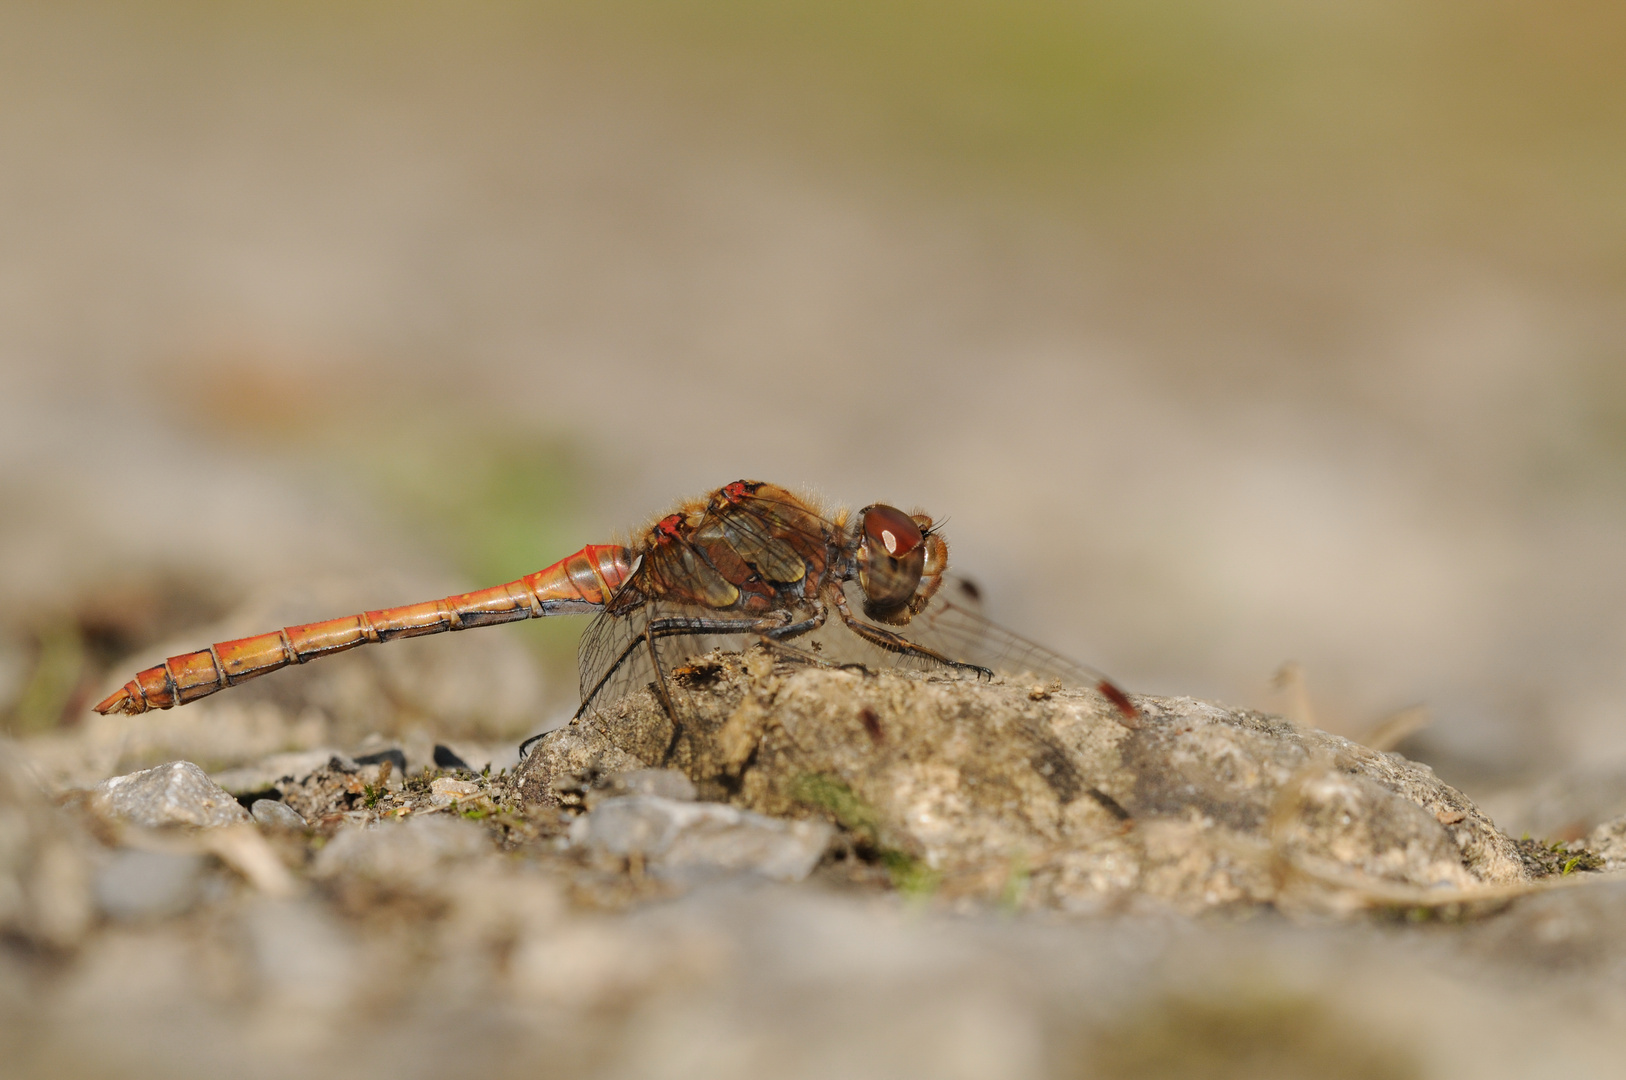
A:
(1013, 883)
(303, 317)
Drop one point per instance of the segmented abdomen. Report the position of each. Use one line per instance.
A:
(582, 582)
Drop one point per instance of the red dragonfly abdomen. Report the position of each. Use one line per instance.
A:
(583, 582)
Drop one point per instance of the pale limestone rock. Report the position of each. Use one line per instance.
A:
(994, 791)
(681, 837)
(179, 793)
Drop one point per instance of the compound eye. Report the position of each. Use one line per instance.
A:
(891, 530)
(890, 559)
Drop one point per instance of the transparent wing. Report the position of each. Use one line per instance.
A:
(608, 659)
(953, 626)
(957, 629)
(615, 655)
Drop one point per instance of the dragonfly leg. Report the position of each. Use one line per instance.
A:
(681, 627)
(678, 626)
(644, 640)
(770, 634)
(775, 641)
(661, 689)
(803, 656)
(897, 643)
(807, 625)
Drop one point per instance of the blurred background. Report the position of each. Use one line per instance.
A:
(1224, 334)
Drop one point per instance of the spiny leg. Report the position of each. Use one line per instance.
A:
(679, 626)
(767, 630)
(897, 643)
(770, 635)
(661, 689)
(811, 659)
(775, 641)
(807, 625)
(676, 625)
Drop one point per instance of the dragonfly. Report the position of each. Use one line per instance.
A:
(751, 562)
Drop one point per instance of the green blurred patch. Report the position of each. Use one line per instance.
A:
(55, 678)
(1017, 882)
(498, 506)
(841, 802)
(1251, 1035)
(52, 663)
(1484, 123)
(1017, 91)
(1468, 120)
(910, 876)
(493, 498)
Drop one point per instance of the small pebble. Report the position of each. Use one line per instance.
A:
(445, 791)
(178, 793)
(272, 814)
(685, 837)
(401, 853)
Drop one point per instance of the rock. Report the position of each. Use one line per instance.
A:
(147, 884)
(1608, 841)
(590, 965)
(405, 854)
(985, 789)
(272, 814)
(45, 878)
(178, 793)
(1569, 929)
(445, 790)
(667, 783)
(676, 837)
(561, 758)
(447, 758)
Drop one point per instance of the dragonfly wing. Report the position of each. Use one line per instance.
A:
(751, 535)
(953, 626)
(610, 661)
(618, 652)
(962, 634)
(956, 630)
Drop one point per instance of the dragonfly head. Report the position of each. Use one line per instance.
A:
(900, 562)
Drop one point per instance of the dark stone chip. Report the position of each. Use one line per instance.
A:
(396, 758)
(446, 759)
